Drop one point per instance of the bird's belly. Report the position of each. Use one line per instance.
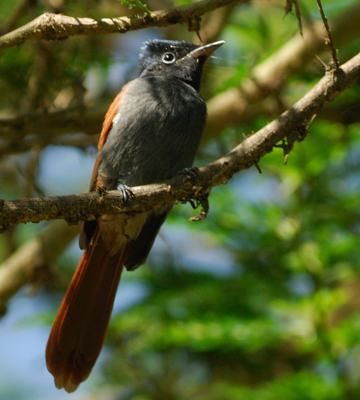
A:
(172, 149)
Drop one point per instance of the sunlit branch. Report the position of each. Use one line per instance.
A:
(289, 127)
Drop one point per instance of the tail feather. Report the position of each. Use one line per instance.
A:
(79, 329)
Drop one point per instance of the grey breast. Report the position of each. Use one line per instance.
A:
(156, 132)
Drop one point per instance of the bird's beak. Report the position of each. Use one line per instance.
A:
(206, 50)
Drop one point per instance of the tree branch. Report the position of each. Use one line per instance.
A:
(291, 125)
(19, 133)
(229, 108)
(51, 26)
(29, 260)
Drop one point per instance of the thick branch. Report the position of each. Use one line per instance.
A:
(291, 125)
(20, 133)
(59, 27)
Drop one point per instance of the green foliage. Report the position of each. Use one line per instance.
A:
(135, 4)
(270, 309)
(300, 386)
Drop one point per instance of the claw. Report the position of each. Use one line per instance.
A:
(204, 202)
(194, 203)
(126, 193)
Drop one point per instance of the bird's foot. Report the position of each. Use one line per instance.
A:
(202, 201)
(126, 193)
(191, 173)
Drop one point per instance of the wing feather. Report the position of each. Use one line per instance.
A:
(106, 128)
(88, 227)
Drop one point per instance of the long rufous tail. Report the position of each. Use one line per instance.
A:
(79, 329)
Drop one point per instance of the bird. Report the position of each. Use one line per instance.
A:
(150, 133)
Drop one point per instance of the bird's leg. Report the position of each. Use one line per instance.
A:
(202, 200)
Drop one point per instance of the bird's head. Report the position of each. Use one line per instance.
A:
(175, 59)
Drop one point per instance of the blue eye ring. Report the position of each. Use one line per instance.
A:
(168, 58)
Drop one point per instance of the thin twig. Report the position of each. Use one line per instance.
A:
(214, 23)
(288, 8)
(298, 16)
(329, 40)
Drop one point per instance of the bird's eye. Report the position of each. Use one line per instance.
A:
(168, 58)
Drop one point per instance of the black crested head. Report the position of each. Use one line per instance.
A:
(174, 59)
(152, 50)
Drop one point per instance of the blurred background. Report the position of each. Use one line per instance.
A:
(259, 301)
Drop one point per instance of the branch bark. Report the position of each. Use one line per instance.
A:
(21, 133)
(290, 126)
(51, 26)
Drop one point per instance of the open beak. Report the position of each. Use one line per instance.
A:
(206, 50)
